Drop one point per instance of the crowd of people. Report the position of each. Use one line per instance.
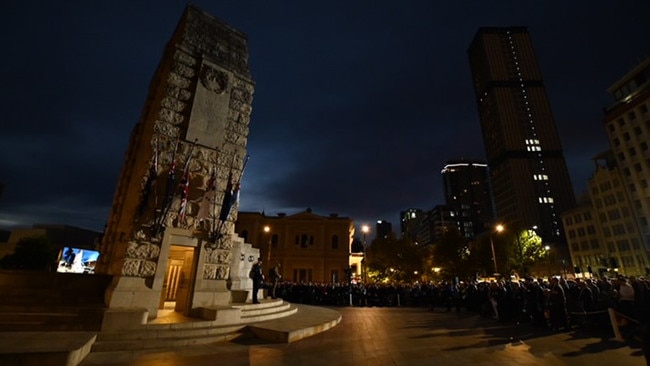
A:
(557, 303)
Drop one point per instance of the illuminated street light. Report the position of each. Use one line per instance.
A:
(548, 258)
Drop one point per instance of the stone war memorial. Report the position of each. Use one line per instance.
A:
(170, 232)
(171, 272)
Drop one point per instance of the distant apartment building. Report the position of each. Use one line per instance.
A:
(467, 193)
(383, 229)
(603, 234)
(584, 239)
(529, 178)
(627, 123)
(410, 222)
(309, 247)
(618, 188)
(443, 219)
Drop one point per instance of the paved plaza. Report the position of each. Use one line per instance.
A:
(409, 336)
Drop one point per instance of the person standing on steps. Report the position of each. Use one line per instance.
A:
(258, 279)
(275, 278)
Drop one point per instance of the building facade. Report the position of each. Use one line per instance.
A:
(309, 247)
(618, 189)
(528, 174)
(603, 234)
(467, 193)
(627, 123)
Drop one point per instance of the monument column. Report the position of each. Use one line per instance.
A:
(181, 174)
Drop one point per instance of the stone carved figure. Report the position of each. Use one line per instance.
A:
(147, 269)
(131, 267)
(224, 257)
(222, 272)
(210, 271)
(210, 256)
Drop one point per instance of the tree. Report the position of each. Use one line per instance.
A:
(391, 259)
(480, 255)
(450, 254)
(33, 253)
(532, 248)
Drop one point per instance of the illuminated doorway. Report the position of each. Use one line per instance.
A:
(178, 279)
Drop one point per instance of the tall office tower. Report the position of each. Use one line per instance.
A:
(528, 175)
(467, 192)
(628, 127)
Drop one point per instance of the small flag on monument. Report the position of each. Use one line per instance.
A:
(227, 202)
(185, 191)
(208, 198)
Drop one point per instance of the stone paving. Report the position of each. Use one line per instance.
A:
(410, 336)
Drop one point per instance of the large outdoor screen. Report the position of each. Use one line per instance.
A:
(75, 260)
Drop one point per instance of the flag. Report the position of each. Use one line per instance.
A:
(185, 191)
(231, 196)
(235, 194)
(169, 192)
(208, 197)
(148, 186)
(185, 186)
(227, 202)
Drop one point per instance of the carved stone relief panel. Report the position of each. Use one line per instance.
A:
(209, 115)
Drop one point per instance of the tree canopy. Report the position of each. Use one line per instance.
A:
(33, 253)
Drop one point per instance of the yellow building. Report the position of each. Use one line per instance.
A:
(309, 247)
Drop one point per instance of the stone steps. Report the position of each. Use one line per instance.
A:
(26, 319)
(288, 323)
(45, 348)
(157, 335)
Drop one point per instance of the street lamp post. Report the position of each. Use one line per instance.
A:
(364, 268)
(548, 260)
(267, 231)
(499, 228)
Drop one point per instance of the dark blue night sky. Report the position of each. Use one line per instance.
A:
(357, 106)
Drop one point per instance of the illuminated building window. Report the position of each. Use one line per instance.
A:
(540, 177)
(545, 199)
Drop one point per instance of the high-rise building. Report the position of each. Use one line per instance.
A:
(628, 127)
(467, 192)
(528, 175)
